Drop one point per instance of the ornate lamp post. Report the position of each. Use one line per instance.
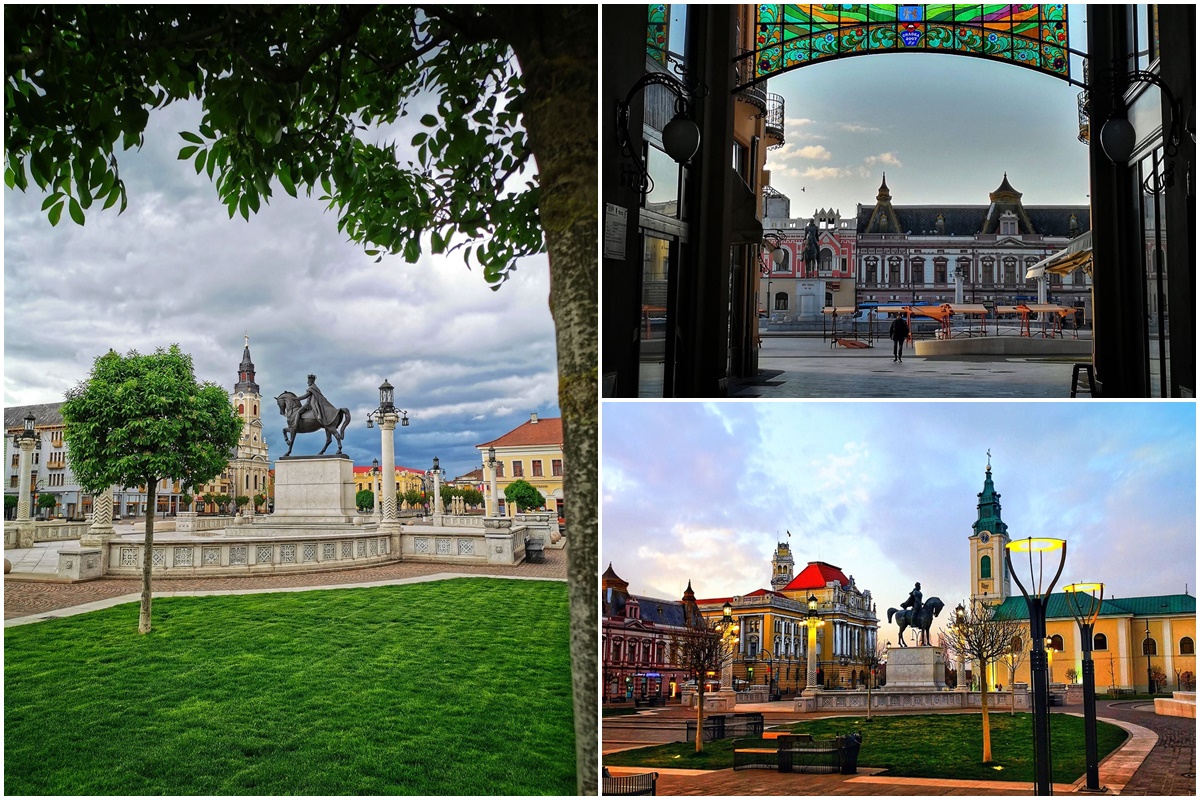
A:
(812, 621)
(26, 440)
(375, 489)
(1085, 600)
(1037, 597)
(437, 487)
(493, 504)
(387, 417)
(960, 676)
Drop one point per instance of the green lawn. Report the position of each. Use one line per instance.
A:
(459, 687)
(926, 746)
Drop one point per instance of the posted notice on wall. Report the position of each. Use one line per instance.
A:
(616, 225)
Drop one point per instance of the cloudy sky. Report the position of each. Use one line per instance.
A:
(944, 128)
(468, 364)
(888, 492)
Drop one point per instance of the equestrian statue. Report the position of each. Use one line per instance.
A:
(318, 414)
(917, 614)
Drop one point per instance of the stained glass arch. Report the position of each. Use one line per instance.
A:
(792, 36)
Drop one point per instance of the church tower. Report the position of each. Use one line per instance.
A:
(988, 541)
(249, 465)
(781, 566)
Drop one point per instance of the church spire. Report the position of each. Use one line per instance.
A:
(246, 373)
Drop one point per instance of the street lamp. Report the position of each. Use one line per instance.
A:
(387, 418)
(1085, 600)
(1146, 650)
(375, 489)
(1037, 597)
(960, 676)
(490, 463)
(728, 635)
(812, 621)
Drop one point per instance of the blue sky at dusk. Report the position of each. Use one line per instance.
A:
(888, 492)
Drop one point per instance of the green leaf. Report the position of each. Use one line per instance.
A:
(285, 179)
(55, 213)
(429, 120)
(191, 137)
(186, 152)
(200, 161)
(75, 211)
(10, 177)
(51, 200)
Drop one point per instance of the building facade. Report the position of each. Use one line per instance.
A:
(532, 452)
(50, 472)
(794, 291)
(773, 637)
(636, 646)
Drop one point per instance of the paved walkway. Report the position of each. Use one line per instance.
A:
(30, 600)
(1159, 758)
(794, 366)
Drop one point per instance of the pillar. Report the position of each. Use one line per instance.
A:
(378, 492)
(437, 493)
(493, 504)
(24, 466)
(811, 678)
(391, 522)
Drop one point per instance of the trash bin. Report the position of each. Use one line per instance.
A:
(848, 752)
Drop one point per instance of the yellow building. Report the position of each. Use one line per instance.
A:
(773, 638)
(249, 470)
(532, 452)
(1134, 637)
(407, 479)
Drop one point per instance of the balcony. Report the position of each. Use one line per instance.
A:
(755, 95)
(774, 127)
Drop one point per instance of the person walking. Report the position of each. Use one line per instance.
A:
(898, 333)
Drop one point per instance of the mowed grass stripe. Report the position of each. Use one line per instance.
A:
(452, 687)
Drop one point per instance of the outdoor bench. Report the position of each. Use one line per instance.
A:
(627, 785)
(801, 753)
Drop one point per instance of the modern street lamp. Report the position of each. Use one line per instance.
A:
(812, 621)
(1085, 600)
(1037, 597)
(1146, 650)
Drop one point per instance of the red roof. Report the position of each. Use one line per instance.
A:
(816, 575)
(544, 431)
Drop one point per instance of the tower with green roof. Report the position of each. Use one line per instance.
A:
(989, 537)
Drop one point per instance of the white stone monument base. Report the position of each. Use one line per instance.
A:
(915, 668)
(723, 700)
(314, 490)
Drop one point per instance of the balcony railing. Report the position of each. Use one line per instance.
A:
(755, 95)
(774, 129)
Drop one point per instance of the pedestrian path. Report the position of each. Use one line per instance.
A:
(793, 367)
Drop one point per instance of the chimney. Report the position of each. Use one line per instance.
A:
(533, 418)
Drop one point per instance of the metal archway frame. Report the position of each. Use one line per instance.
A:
(789, 36)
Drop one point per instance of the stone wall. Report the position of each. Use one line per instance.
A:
(901, 700)
(252, 555)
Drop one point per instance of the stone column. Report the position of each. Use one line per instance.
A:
(438, 510)
(961, 675)
(492, 506)
(811, 677)
(391, 521)
(25, 525)
(378, 491)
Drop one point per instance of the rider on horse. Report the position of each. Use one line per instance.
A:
(320, 408)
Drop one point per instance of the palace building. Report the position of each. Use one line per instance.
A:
(636, 636)
(1138, 641)
(773, 639)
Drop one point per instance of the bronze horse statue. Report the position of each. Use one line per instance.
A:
(308, 423)
(923, 621)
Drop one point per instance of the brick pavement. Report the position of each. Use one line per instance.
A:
(24, 598)
(1168, 769)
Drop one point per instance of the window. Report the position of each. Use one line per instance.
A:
(1056, 642)
(1010, 272)
(499, 469)
(989, 272)
(518, 470)
(16, 462)
(1187, 647)
(1100, 642)
(918, 271)
(985, 567)
(939, 271)
(1149, 647)
(781, 301)
(1017, 644)
(537, 468)
(825, 262)
(556, 467)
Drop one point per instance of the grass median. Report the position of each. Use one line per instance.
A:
(918, 746)
(459, 687)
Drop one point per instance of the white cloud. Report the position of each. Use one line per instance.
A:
(850, 127)
(822, 173)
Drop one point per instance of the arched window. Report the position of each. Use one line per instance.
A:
(1017, 644)
(1100, 642)
(1149, 647)
(1187, 647)
(241, 409)
(781, 301)
(985, 567)
(918, 271)
(825, 262)
(1056, 642)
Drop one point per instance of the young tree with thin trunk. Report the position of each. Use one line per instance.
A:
(697, 651)
(1018, 651)
(981, 638)
(141, 418)
(871, 660)
(305, 98)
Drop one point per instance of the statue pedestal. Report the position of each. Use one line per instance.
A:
(722, 700)
(314, 490)
(915, 668)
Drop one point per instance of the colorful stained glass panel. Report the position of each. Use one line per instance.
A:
(1030, 35)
